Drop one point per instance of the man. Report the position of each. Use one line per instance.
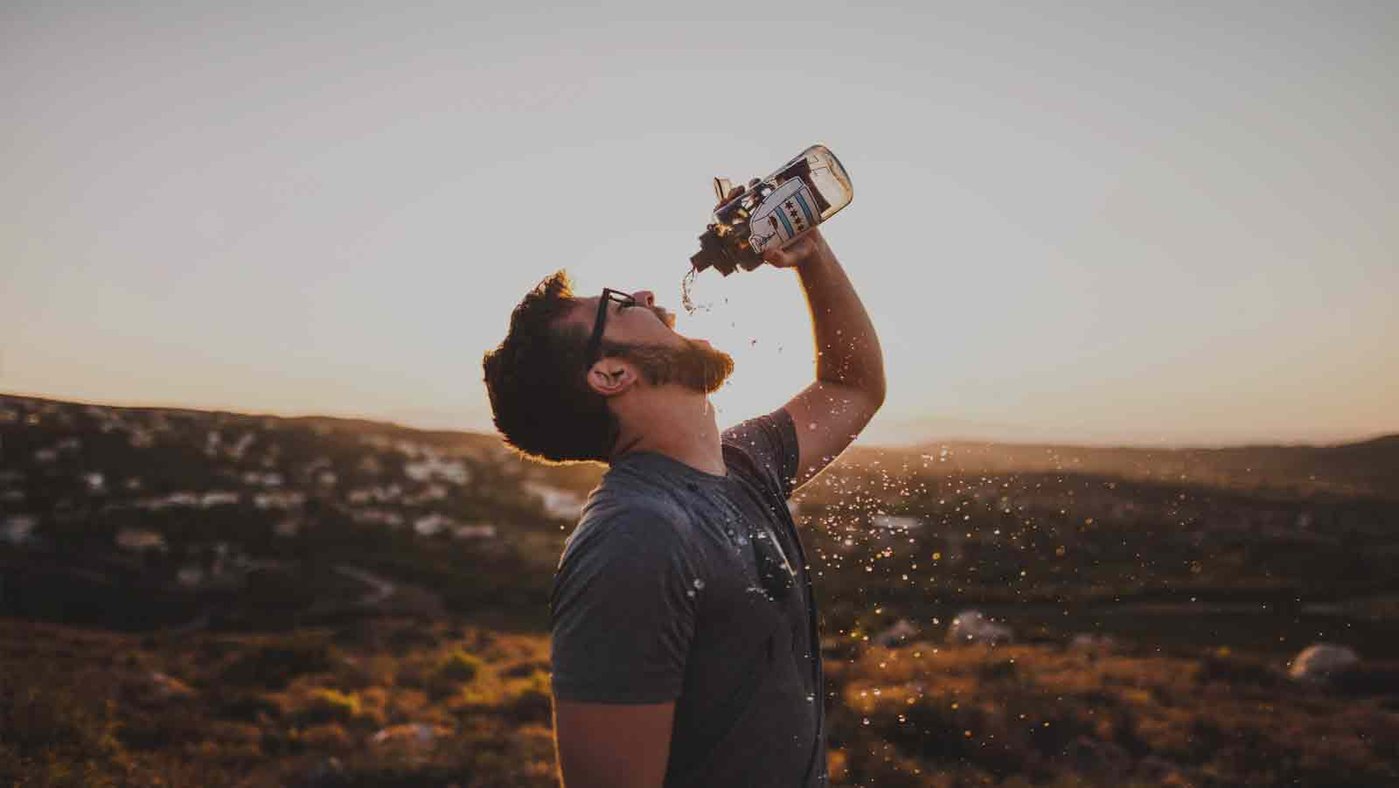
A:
(684, 639)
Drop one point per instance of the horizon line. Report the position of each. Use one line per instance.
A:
(860, 442)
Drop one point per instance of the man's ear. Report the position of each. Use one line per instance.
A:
(610, 377)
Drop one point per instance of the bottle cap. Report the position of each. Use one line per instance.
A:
(713, 252)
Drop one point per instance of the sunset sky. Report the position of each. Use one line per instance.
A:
(1094, 225)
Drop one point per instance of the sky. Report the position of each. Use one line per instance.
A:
(1104, 224)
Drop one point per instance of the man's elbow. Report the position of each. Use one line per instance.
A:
(878, 394)
(874, 392)
(867, 399)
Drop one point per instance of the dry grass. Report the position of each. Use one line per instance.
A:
(928, 713)
(406, 703)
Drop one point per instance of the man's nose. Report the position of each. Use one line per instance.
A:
(645, 297)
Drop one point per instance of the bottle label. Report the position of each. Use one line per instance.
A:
(787, 212)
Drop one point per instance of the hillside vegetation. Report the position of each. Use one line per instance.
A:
(194, 598)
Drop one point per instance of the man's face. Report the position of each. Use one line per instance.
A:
(661, 354)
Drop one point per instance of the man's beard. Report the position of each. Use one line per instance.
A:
(694, 365)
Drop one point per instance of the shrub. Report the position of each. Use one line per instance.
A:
(458, 665)
(50, 735)
(328, 705)
(245, 705)
(273, 665)
(330, 737)
(530, 699)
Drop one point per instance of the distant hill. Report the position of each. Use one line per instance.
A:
(148, 518)
(1368, 468)
(134, 517)
(1365, 468)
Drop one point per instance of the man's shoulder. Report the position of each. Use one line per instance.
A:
(624, 513)
(764, 449)
(629, 494)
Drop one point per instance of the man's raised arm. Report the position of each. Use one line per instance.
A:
(849, 385)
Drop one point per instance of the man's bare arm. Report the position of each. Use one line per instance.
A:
(849, 385)
(612, 745)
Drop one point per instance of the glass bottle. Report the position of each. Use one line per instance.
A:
(771, 211)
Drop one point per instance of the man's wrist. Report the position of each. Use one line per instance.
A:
(822, 257)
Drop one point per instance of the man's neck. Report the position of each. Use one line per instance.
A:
(682, 427)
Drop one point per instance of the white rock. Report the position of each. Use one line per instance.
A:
(899, 634)
(972, 626)
(1321, 661)
(413, 735)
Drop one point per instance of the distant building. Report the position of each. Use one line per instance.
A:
(379, 494)
(559, 504)
(218, 498)
(427, 525)
(140, 540)
(383, 517)
(432, 492)
(278, 499)
(432, 467)
(190, 576)
(475, 531)
(17, 528)
(895, 522)
(240, 448)
(262, 479)
(287, 528)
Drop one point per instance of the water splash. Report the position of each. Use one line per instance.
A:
(687, 300)
(686, 285)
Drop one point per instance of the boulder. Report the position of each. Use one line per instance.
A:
(411, 736)
(1322, 662)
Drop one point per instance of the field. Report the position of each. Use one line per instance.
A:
(215, 599)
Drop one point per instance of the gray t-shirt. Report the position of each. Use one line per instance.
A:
(683, 585)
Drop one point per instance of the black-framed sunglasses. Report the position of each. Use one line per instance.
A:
(595, 341)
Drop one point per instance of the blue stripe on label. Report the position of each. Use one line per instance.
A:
(783, 218)
(806, 209)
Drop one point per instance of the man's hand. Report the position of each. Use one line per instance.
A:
(811, 246)
(805, 248)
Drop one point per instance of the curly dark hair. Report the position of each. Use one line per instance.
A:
(536, 380)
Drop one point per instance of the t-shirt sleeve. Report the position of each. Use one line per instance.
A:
(623, 610)
(770, 442)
